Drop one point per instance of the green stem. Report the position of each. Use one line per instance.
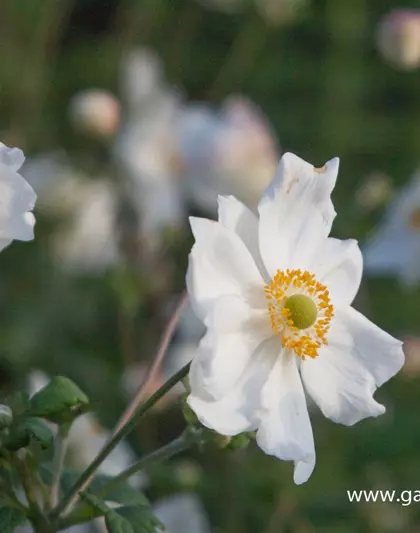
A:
(183, 442)
(241, 57)
(176, 446)
(86, 476)
(60, 451)
(25, 478)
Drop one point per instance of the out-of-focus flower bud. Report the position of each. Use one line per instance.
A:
(276, 12)
(398, 38)
(374, 192)
(95, 112)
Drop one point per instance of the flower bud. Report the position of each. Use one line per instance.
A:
(95, 112)
(398, 38)
(6, 416)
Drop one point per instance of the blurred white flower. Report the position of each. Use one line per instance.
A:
(398, 38)
(182, 513)
(89, 241)
(394, 247)
(17, 199)
(275, 294)
(232, 151)
(95, 112)
(146, 149)
(86, 238)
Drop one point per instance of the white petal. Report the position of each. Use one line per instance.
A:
(339, 266)
(4, 243)
(219, 264)
(235, 216)
(16, 198)
(359, 358)
(235, 331)
(11, 157)
(285, 429)
(296, 213)
(239, 410)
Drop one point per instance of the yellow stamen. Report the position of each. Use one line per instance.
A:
(300, 311)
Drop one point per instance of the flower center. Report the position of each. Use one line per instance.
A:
(300, 311)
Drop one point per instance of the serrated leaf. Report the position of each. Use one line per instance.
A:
(25, 430)
(115, 523)
(94, 501)
(10, 519)
(60, 401)
(141, 518)
(123, 493)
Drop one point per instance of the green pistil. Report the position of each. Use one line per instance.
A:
(302, 311)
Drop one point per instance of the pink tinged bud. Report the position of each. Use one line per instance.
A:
(95, 112)
(398, 38)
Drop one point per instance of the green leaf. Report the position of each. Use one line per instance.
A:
(124, 493)
(95, 502)
(141, 518)
(60, 401)
(10, 519)
(238, 442)
(115, 523)
(27, 430)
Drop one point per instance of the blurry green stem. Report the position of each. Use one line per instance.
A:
(60, 451)
(86, 477)
(183, 442)
(25, 478)
(241, 56)
(154, 369)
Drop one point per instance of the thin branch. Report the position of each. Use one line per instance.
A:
(86, 477)
(154, 369)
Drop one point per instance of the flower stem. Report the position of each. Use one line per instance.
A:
(60, 451)
(178, 445)
(163, 346)
(85, 478)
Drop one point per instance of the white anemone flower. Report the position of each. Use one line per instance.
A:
(17, 199)
(275, 293)
(394, 248)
